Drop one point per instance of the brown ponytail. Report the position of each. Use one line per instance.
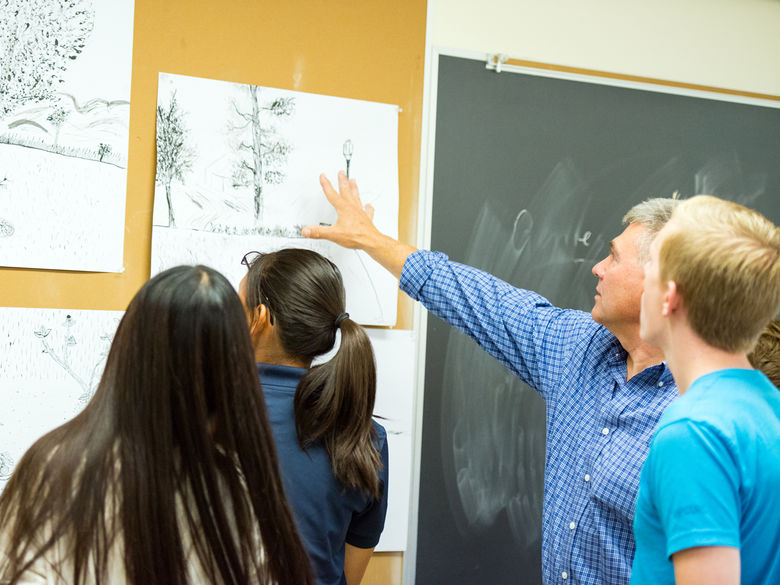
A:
(334, 401)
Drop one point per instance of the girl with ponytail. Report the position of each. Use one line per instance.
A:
(332, 455)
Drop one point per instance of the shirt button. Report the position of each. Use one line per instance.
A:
(660, 384)
(564, 575)
(587, 477)
(605, 431)
(572, 525)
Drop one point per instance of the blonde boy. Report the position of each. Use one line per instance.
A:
(707, 508)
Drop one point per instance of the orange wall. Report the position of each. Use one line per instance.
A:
(350, 48)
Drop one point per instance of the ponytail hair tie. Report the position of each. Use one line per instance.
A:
(340, 318)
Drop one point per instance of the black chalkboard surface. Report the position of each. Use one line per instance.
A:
(532, 176)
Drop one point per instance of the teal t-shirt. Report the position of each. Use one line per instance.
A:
(712, 478)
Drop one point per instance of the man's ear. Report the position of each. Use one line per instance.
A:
(673, 300)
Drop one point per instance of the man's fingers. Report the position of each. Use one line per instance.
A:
(370, 211)
(315, 232)
(343, 183)
(328, 189)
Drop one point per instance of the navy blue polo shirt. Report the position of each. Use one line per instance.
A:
(327, 514)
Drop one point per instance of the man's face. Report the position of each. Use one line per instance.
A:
(619, 290)
(651, 320)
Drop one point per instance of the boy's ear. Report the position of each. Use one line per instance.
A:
(673, 300)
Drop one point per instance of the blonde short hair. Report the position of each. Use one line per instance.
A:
(766, 354)
(725, 261)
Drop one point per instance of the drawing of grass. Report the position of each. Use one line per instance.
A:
(98, 153)
(76, 221)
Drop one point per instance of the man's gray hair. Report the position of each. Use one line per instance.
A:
(651, 214)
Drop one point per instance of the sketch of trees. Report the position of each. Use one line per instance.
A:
(174, 155)
(262, 154)
(38, 40)
(103, 150)
(57, 119)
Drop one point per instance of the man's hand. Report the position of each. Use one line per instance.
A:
(354, 227)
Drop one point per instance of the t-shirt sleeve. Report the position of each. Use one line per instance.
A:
(695, 486)
(367, 525)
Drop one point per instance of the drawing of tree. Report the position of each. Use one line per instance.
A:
(57, 119)
(103, 150)
(174, 155)
(261, 159)
(40, 39)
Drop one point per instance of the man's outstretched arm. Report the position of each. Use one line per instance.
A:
(354, 227)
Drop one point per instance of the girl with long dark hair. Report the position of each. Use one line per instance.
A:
(332, 455)
(169, 475)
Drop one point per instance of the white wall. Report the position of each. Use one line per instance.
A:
(732, 44)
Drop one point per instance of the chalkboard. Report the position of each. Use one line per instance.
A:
(532, 175)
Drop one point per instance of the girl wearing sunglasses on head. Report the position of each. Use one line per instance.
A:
(332, 455)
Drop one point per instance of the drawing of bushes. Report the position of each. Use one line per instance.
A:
(109, 156)
(6, 466)
(278, 231)
(6, 228)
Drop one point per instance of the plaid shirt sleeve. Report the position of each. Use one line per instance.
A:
(520, 328)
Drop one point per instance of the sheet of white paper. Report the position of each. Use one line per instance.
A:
(63, 149)
(239, 172)
(395, 351)
(51, 361)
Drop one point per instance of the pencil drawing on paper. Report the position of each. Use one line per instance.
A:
(174, 152)
(64, 131)
(62, 357)
(51, 361)
(6, 466)
(238, 167)
(262, 151)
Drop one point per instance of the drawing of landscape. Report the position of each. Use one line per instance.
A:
(238, 168)
(64, 116)
(51, 361)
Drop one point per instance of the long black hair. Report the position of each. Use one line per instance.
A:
(175, 447)
(304, 295)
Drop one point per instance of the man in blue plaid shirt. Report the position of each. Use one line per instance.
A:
(604, 388)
